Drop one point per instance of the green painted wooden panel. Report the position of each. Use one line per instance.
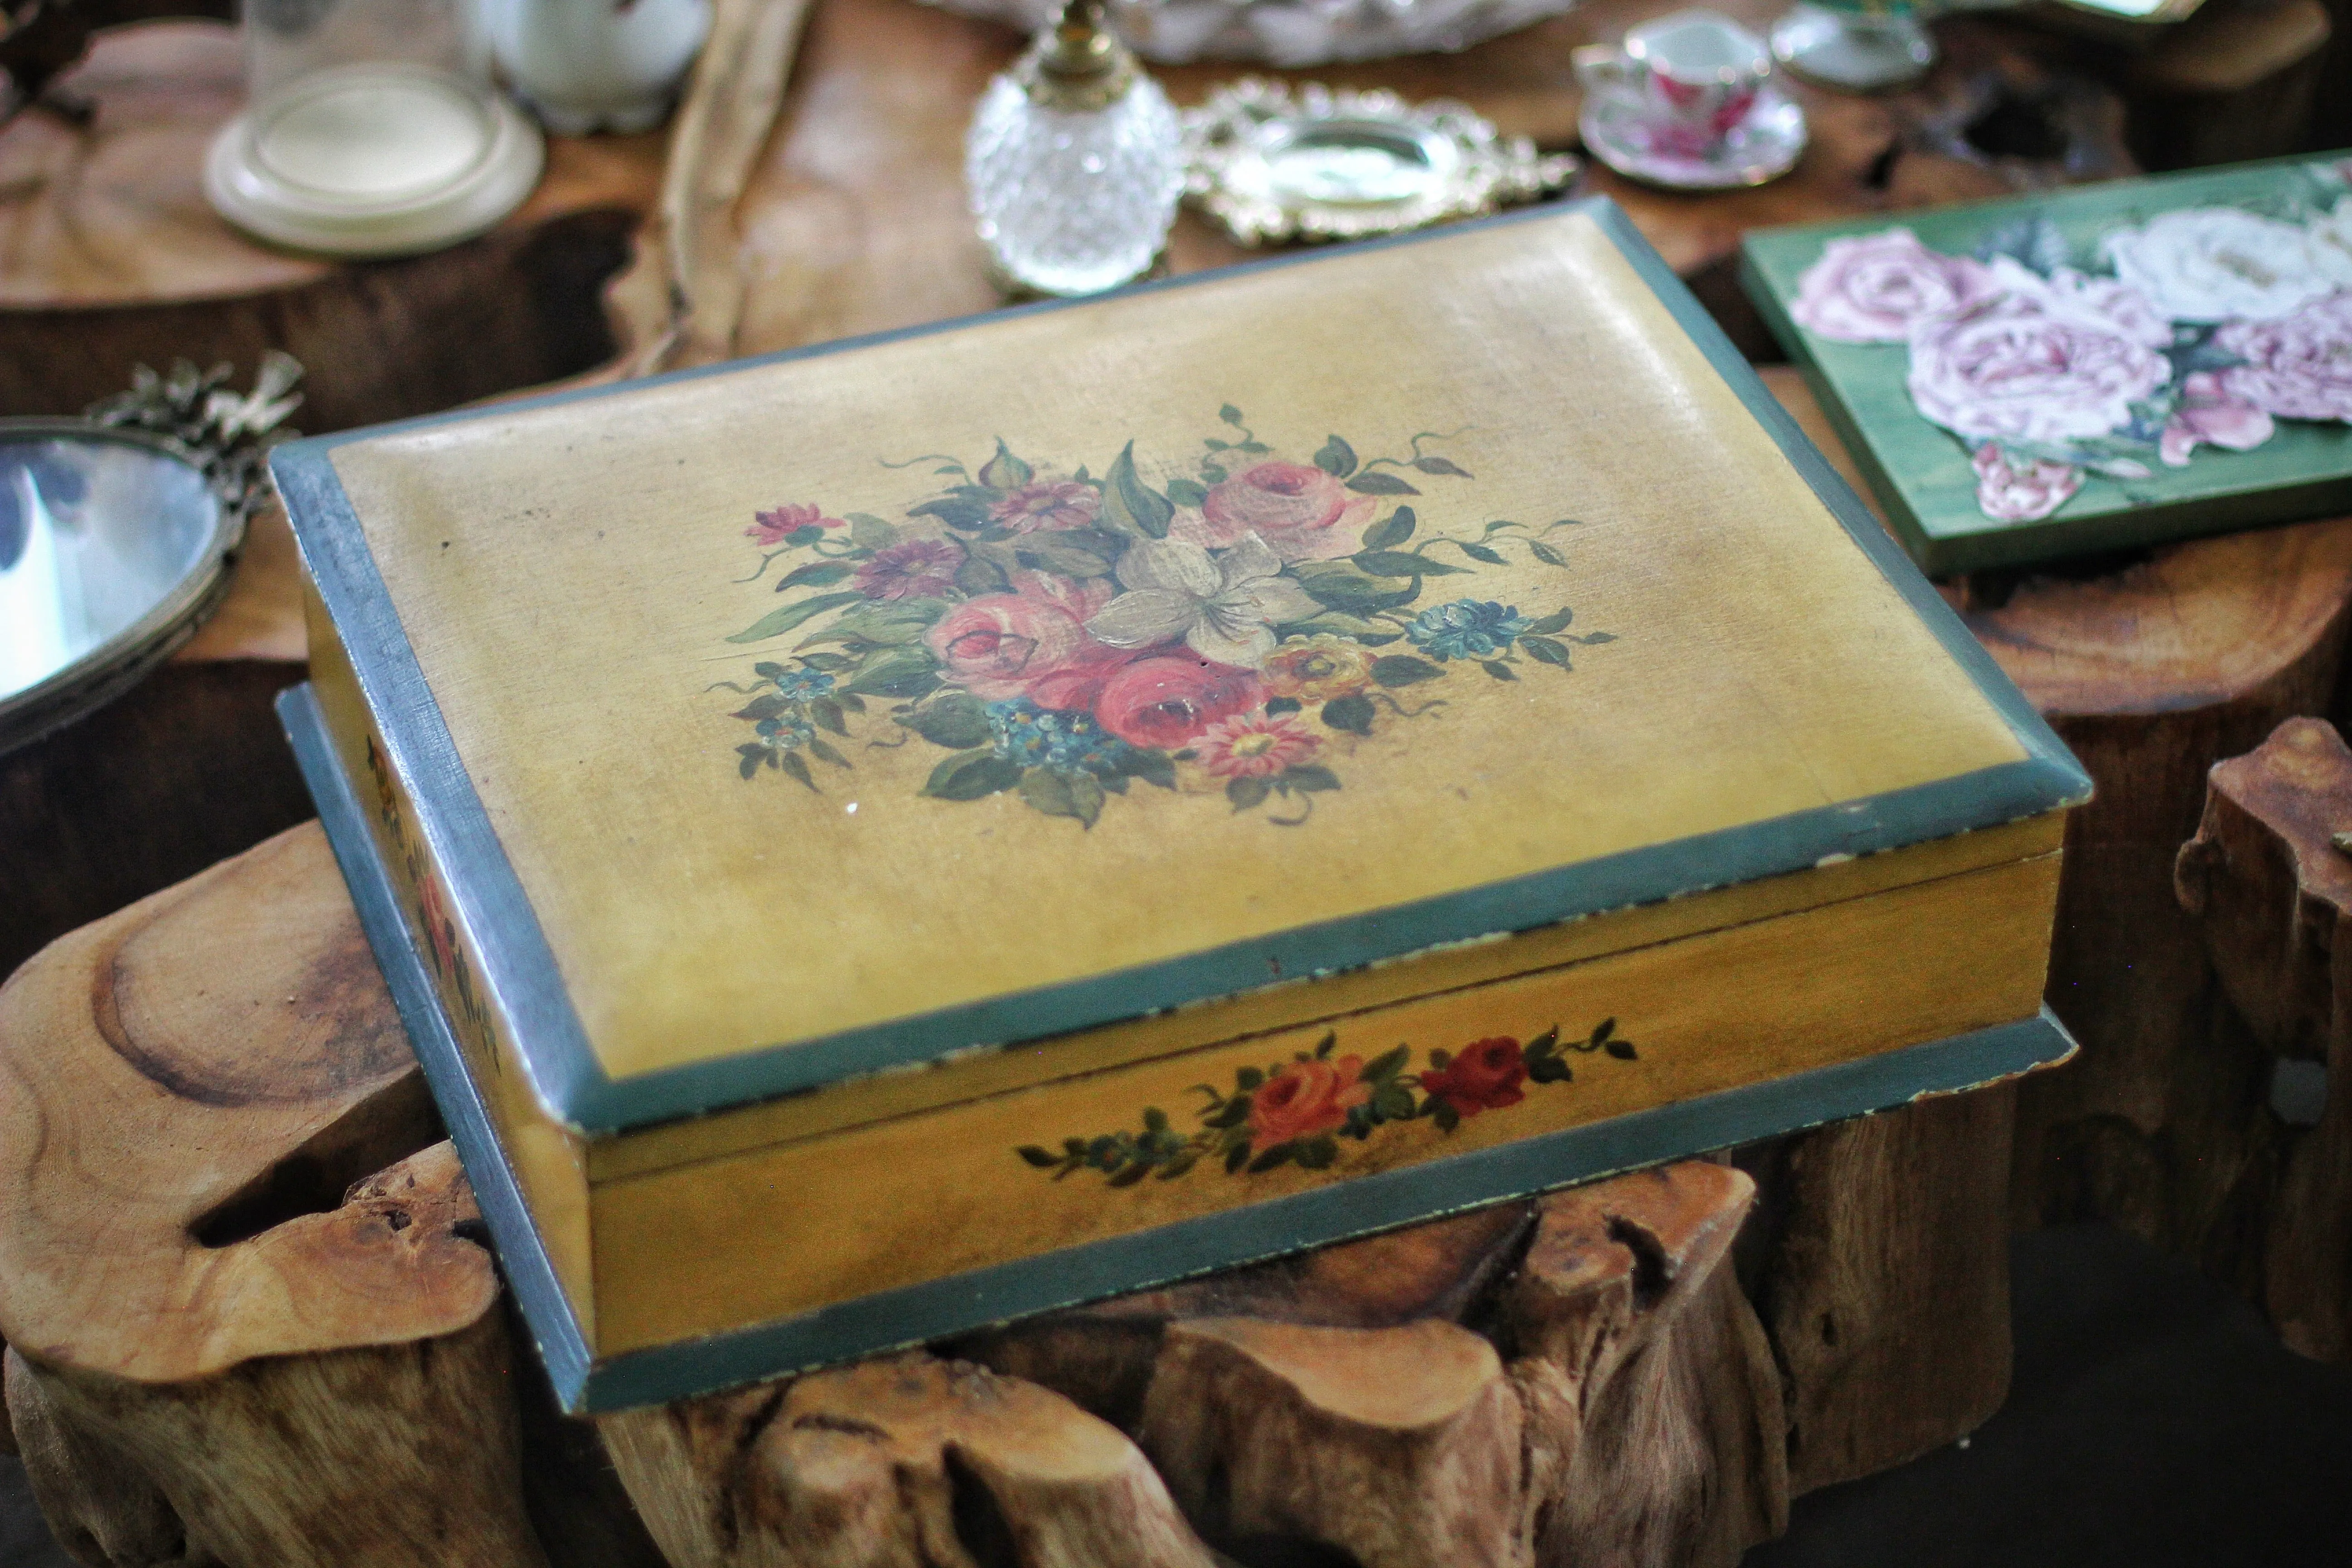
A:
(1921, 472)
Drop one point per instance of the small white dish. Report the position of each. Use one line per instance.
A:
(373, 160)
(1764, 145)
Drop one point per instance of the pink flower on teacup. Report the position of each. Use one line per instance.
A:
(1302, 512)
(2209, 412)
(2010, 493)
(1875, 288)
(2032, 365)
(1000, 645)
(2298, 366)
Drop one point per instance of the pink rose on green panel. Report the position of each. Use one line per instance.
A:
(1875, 288)
(2209, 412)
(918, 569)
(1301, 511)
(780, 523)
(2298, 366)
(1167, 700)
(1047, 503)
(2032, 365)
(2023, 491)
(999, 646)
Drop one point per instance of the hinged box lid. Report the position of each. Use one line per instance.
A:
(811, 718)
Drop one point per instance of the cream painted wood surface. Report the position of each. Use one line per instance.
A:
(692, 917)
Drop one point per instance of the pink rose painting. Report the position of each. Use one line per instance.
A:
(1875, 288)
(2298, 366)
(1306, 1109)
(1232, 624)
(1301, 511)
(2199, 330)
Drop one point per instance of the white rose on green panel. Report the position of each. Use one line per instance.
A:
(2215, 264)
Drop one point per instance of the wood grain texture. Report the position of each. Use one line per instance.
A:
(2270, 894)
(2152, 668)
(192, 1300)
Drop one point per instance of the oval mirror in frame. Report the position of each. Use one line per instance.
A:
(113, 547)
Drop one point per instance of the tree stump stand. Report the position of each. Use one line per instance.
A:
(250, 1318)
(2269, 887)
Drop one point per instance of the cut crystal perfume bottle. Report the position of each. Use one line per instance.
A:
(1074, 161)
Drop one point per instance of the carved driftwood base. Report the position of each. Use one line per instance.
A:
(251, 1322)
(2271, 892)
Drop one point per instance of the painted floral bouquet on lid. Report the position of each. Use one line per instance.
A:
(1061, 635)
(2203, 326)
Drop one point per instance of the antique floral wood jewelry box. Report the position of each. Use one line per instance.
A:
(883, 839)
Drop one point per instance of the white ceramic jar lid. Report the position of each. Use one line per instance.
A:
(373, 160)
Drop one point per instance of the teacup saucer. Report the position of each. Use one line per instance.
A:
(1763, 146)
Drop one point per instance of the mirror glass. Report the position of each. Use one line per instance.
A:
(95, 535)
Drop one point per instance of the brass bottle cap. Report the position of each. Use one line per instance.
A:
(1079, 65)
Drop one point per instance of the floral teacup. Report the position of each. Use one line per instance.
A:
(1694, 74)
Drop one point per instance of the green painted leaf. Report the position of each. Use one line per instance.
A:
(1440, 466)
(1444, 1115)
(1404, 564)
(1231, 415)
(1397, 669)
(1557, 621)
(815, 574)
(893, 623)
(761, 708)
(1388, 1064)
(1063, 795)
(1601, 1031)
(1152, 767)
(1352, 714)
(1550, 1069)
(956, 511)
(1497, 668)
(1323, 1048)
(1372, 633)
(1215, 473)
(779, 621)
(1543, 1045)
(1311, 778)
(768, 668)
(1545, 650)
(969, 775)
(1547, 554)
(978, 575)
(1131, 1175)
(1392, 530)
(1275, 706)
(1154, 1119)
(1038, 1157)
(822, 749)
(1129, 504)
(1597, 638)
(1482, 553)
(1178, 1165)
(1371, 482)
(1278, 1155)
(1005, 471)
(1317, 1154)
(830, 663)
(828, 712)
(1622, 1049)
(1246, 793)
(1335, 459)
(791, 763)
(1249, 1077)
(1348, 588)
(868, 532)
(1044, 552)
(954, 718)
(1235, 1157)
(1187, 492)
(753, 754)
(895, 672)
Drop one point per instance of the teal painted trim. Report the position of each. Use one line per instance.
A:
(1074, 1276)
(521, 1254)
(519, 969)
(921, 1313)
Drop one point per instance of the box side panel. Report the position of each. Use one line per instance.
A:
(1319, 999)
(548, 1160)
(771, 1234)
